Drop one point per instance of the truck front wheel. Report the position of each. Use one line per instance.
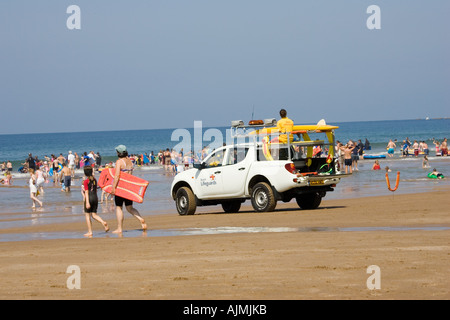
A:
(185, 201)
(309, 200)
(263, 199)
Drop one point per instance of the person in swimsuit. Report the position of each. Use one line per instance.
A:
(90, 200)
(426, 151)
(9, 166)
(391, 148)
(55, 166)
(376, 165)
(124, 164)
(167, 163)
(437, 145)
(7, 180)
(66, 174)
(416, 148)
(425, 163)
(437, 174)
(347, 150)
(444, 148)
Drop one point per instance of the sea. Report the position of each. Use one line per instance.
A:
(62, 207)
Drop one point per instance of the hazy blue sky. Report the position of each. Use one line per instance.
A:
(163, 64)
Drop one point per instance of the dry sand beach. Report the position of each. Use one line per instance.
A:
(325, 258)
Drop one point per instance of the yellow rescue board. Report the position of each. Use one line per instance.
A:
(297, 129)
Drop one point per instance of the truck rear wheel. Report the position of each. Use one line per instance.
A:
(185, 201)
(309, 200)
(263, 199)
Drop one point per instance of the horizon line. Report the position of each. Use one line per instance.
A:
(64, 132)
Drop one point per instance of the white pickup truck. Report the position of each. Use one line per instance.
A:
(264, 172)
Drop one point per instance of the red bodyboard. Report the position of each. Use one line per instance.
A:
(129, 187)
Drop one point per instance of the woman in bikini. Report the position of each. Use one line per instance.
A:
(124, 164)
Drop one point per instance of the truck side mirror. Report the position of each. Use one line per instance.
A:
(199, 165)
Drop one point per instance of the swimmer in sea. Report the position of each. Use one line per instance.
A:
(437, 174)
(376, 165)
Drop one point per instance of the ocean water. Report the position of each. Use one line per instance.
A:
(15, 147)
(59, 207)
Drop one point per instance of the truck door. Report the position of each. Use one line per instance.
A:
(209, 179)
(234, 171)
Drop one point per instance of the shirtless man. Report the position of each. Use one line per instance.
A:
(426, 151)
(415, 147)
(437, 174)
(444, 148)
(9, 166)
(348, 157)
(66, 174)
(391, 147)
(61, 159)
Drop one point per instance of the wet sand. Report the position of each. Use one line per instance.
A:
(319, 261)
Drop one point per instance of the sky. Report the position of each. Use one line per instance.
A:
(155, 64)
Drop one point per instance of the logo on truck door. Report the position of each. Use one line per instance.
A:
(207, 183)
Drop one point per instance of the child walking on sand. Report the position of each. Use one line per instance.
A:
(90, 199)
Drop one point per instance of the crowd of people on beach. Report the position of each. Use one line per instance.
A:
(349, 154)
(417, 148)
(61, 169)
